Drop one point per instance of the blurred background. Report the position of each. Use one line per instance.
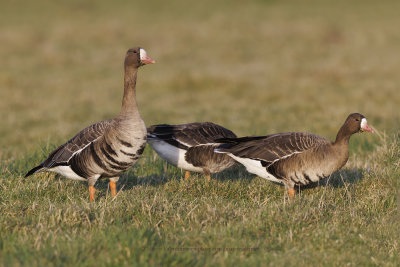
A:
(255, 67)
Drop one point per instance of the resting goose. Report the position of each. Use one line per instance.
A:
(294, 158)
(107, 148)
(190, 146)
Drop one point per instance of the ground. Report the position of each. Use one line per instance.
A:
(256, 67)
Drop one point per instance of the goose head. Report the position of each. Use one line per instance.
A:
(136, 57)
(356, 122)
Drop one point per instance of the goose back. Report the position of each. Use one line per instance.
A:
(190, 134)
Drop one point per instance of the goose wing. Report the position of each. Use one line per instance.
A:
(270, 148)
(189, 135)
(80, 141)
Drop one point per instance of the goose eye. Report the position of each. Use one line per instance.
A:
(357, 119)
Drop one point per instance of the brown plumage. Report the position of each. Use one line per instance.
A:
(107, 148)
(294, 158)
(191, 146)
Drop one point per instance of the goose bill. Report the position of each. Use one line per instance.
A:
(365, 127)
(144, 58)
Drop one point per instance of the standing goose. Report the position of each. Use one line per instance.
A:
(191, 146)
(294, 158)
(107, 148)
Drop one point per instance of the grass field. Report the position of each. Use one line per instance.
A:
(255, 67)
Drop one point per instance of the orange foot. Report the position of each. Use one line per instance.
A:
(187, 175)
(113, 188)
(92, 191)
(208, 177)
(291, 193)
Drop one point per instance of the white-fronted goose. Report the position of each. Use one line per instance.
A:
(191, 146)
(107, 148)
(294, 158)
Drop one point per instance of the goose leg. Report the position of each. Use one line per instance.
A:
(207, 175)
(113, 185)
(187, 175)
(289, 185)
(92, 190)
(291, 193)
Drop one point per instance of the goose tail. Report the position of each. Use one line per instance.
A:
(223, 144)
(34, 170)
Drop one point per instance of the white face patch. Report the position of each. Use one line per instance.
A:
(143, 54)
(363, 123)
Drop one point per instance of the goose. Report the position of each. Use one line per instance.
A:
(107, 148)
(294, 158)
(190, 146)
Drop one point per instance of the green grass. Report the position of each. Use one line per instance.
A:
(158, 218)
(257, 68)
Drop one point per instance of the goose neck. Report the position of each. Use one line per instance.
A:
(129, 104)
(343, 136)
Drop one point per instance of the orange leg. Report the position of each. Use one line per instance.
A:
(187, 175)
(113, 188)
(92, 192)
(291, 192)
(207, 176)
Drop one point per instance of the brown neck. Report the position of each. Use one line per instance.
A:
(129, 105)
(343, 136)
